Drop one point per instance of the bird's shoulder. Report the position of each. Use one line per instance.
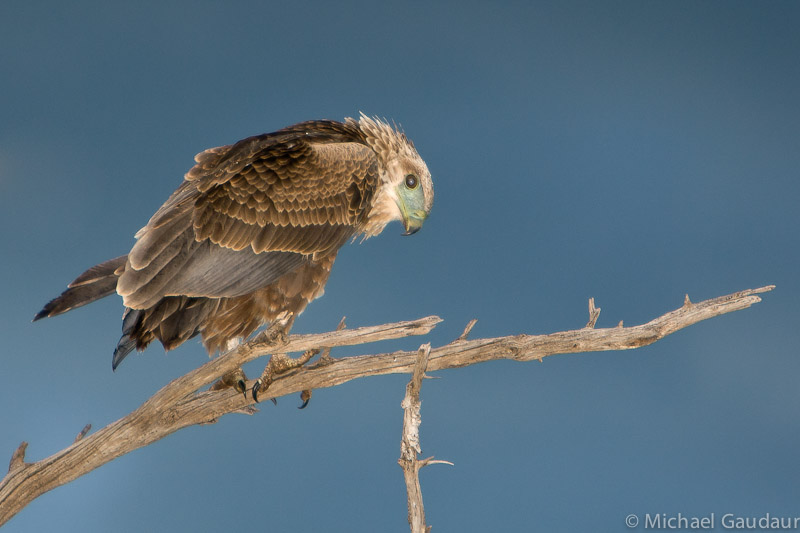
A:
(314, 160)
(305, 150)
(304, 189)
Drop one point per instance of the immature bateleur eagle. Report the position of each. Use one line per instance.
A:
(253, 231)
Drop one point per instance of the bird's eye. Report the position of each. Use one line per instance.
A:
(411, 181)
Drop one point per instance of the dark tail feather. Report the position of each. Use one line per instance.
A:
(130, 321)
(173, 320)
(124, 347)
(97, 282)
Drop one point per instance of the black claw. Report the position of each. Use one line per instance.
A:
(304, 404)
(256, 386)
(241, 386)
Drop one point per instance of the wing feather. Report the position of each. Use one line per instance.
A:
(143, 288)
(154, 239)
(315, 192)
(252, 212)
(210, 272)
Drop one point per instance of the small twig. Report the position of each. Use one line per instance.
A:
(594, 313)
(467, 329)
(432, 461)
(83, 432)
(18, 457)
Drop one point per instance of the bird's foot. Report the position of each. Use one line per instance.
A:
(235, 378)
(280, 364)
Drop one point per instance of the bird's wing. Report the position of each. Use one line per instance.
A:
(249, 213)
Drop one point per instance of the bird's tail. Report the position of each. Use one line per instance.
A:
(97, 282)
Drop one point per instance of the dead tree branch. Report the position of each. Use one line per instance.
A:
(409, 444)
(181, 403)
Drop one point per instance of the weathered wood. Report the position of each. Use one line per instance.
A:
(181, 403)
(409, 443)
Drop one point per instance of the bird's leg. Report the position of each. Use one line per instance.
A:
(235, 378)
(278, 330)
(279, 363)
(282, 363)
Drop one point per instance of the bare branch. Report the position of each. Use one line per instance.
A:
(409, 444)
(181, 403)
(175, 406)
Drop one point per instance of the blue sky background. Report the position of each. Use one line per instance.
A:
(629, 151)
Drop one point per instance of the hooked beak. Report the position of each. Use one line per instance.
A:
(413, 222)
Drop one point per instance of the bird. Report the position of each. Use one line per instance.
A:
(253, 231)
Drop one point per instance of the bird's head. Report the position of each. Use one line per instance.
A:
(413, 193)
(406, 191)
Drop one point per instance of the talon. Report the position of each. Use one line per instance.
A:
(241, 386)
(256, 387)
(305, 396)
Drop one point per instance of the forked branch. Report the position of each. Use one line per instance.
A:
(410, 445)
(181, 403)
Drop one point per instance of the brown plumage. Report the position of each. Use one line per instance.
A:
(253, 231)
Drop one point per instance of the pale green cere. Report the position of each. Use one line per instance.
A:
(411, 201)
